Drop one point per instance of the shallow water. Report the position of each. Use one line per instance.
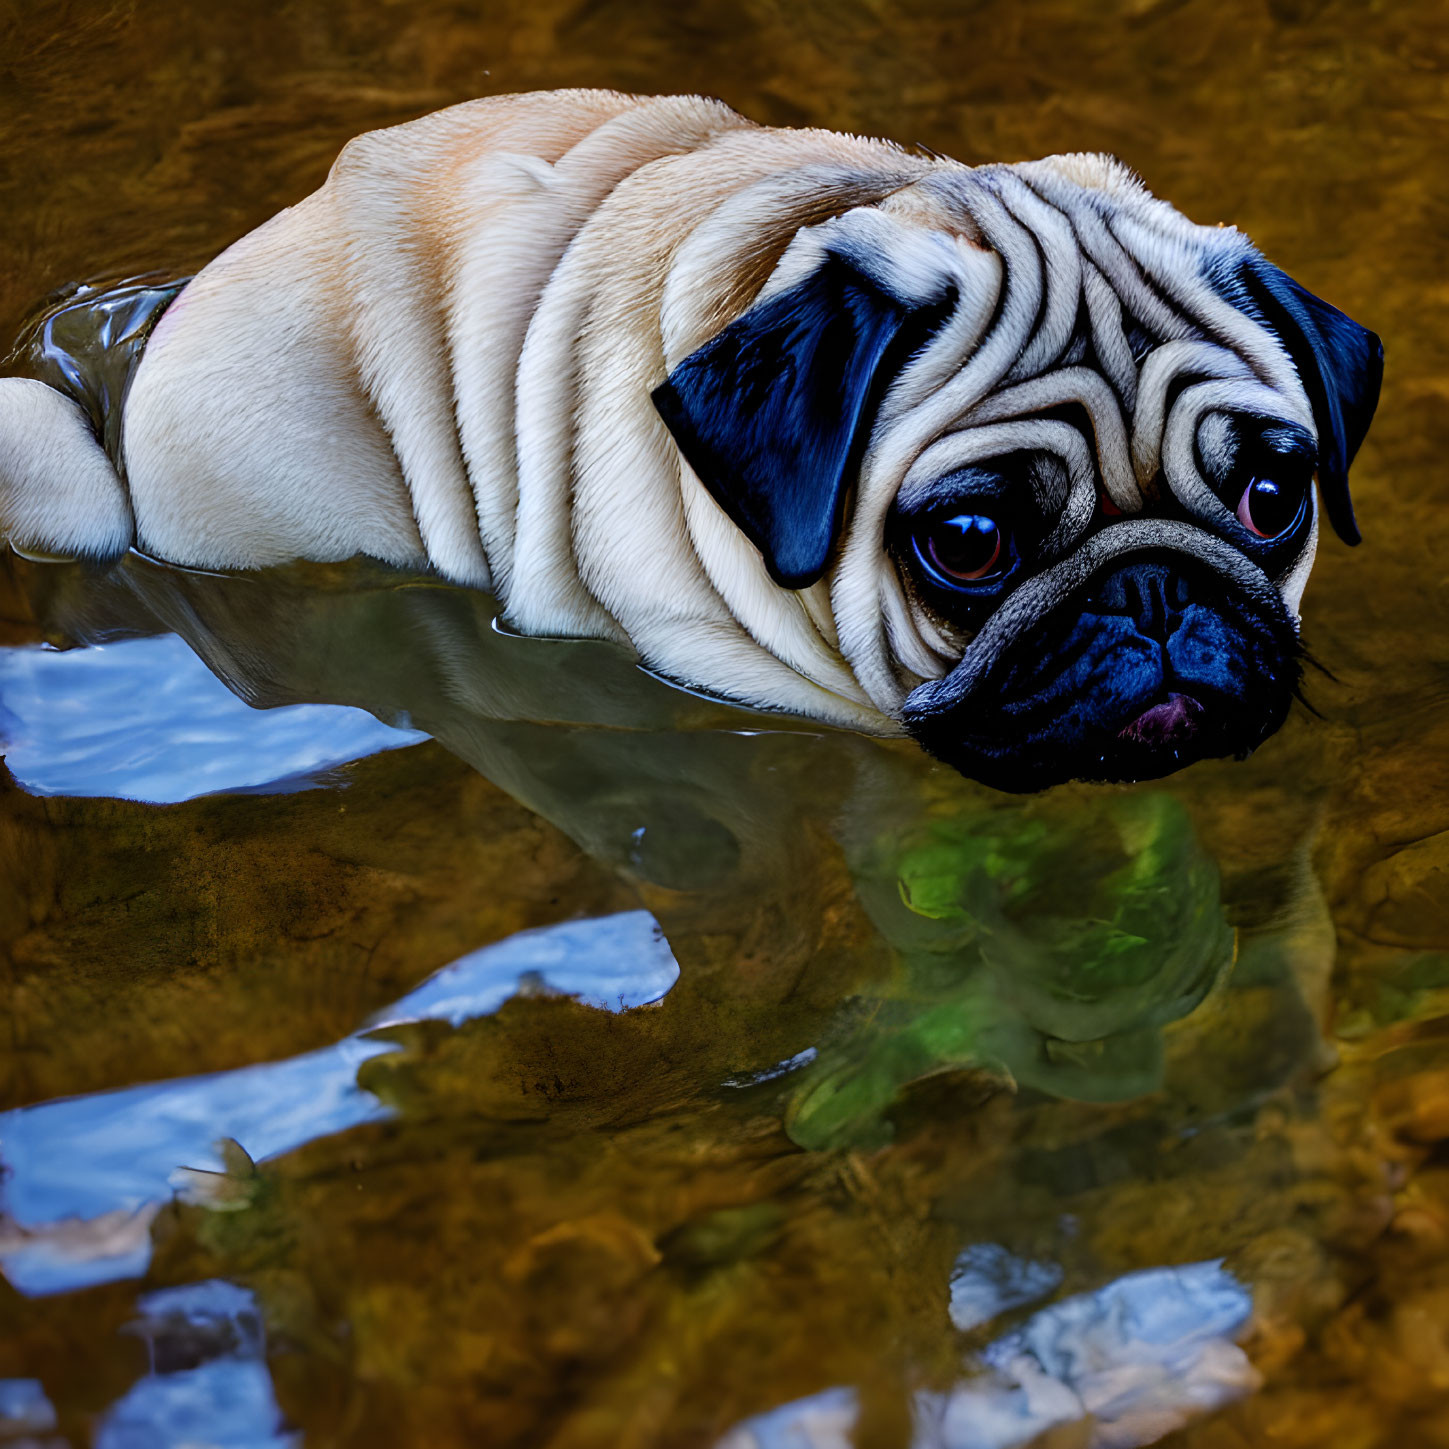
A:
(330, 1110)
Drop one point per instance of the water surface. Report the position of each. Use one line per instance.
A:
(446, 1038)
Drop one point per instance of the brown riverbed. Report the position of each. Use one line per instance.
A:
(1100, 1032)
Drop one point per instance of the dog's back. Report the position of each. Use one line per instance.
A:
(396, 366)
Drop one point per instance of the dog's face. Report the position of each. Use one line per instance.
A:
(1142, 650)
(1049, 450)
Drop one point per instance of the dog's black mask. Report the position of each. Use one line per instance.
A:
(1153, 664)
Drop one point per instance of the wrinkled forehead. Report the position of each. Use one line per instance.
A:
(1107, 305)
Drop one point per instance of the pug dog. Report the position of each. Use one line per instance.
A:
(1013, 459)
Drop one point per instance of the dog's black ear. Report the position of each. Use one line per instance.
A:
(773, 413)
(1341, 366)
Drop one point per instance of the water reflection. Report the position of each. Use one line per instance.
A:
(208, 1381)
(1048, 942)
(24, 1409)
(823, 1421)
(1128, 1363)
(868, 951)
(988, 1281)
(1053, 945)
(85, 1176)
(143, 719)
(1141, 1356)
(658, 1261)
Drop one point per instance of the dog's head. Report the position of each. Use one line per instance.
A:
(1045, 451)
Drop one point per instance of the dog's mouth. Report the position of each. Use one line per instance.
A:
(1151, 667)
(1172, 722)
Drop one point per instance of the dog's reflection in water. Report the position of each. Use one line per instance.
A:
(871, 951)
(1049, 940)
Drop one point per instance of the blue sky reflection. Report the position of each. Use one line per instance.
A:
(83, 1175)
(224, 1402)
(1130, 1362)
(145, 719)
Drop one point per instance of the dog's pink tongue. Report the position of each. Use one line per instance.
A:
(1165, 724)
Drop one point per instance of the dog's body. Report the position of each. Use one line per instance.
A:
(653, 373)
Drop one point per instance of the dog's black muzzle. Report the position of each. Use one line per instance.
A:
(1156, 662)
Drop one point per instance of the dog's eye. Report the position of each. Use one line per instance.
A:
(1269, 507)
(966, 548)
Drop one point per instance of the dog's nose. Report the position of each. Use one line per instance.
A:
(1152, 595)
